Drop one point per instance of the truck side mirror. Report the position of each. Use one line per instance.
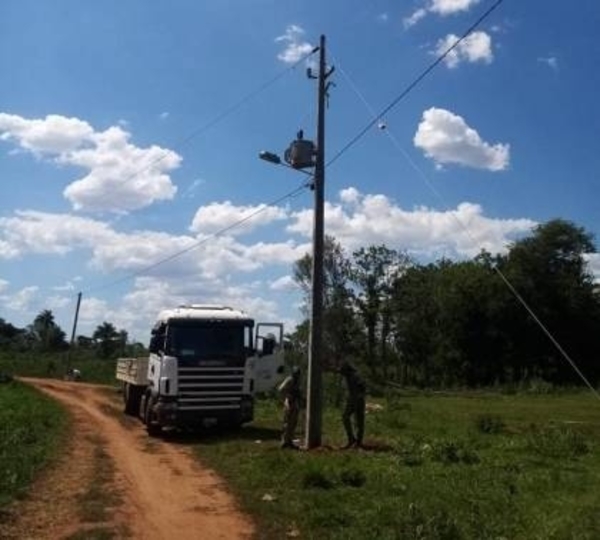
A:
(153, 347)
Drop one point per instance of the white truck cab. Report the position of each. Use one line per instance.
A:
(206, 363)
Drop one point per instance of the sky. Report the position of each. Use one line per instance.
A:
(130, 134)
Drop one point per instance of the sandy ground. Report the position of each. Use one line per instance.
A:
(157, 489)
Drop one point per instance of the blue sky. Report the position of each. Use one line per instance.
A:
(116, 150)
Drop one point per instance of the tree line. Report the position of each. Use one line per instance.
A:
(446, 323)
(463, 323)
(44, 335)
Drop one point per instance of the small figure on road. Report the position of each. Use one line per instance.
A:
(291, 392)
(355, 405)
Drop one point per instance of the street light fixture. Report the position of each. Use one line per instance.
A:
(270, 157)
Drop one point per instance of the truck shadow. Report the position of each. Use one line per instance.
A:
(216, 434)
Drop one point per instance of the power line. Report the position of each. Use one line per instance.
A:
(414, 83)
(467, 231)
(221, 116)
(290, 195)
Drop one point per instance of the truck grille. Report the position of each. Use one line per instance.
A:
(209, 388)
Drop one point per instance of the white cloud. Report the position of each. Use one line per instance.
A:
(477, 47)
(120, 176)
(164, 115)
(216, 216)
(424, 232)
(225, 269)
(416, 16)
(22, 300)
(192, 188)
(383, 17)
(550, 61)
(446, 138)
(52, 135)
(593, 260)
(284, 283)
(450, 7)
(295, 46)
(40, 232)
(439, 7)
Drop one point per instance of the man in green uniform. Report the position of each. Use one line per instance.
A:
(291, 392)
(355, 405)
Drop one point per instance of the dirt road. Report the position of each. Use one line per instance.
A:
(115, 480)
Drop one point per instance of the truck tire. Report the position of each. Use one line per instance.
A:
(152, 426)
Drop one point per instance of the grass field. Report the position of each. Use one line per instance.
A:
(94, 370)
(470, 465)
(32, 429)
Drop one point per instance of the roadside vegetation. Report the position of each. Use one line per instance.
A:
(32, 431)
(437, 466)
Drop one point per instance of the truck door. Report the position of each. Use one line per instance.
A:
(269, 366)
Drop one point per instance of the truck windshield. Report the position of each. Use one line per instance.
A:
(207, 342)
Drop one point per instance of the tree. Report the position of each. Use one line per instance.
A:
(107, 338)
(340, 332)
(550, 273)
(46, 334)
(373, 272)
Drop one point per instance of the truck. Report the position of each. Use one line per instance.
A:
(206, 364)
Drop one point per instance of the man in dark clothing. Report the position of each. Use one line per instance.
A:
(291, 391)
(355, 405)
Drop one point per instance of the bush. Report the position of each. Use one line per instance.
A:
(489, 424)
(353, 477)
(453, 452)
(316, 477)
(557, 442)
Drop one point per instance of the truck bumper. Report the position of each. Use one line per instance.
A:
(168, 414)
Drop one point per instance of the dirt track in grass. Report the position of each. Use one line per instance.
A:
(113, 481)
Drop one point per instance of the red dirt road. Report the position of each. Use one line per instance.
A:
(162, 491)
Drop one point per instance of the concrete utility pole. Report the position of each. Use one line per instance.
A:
(314, 412)
(74, 331)
(304, 154)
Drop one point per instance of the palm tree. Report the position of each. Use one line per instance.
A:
(107, 338)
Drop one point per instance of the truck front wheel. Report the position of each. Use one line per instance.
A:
(131, 397)
(152, 426)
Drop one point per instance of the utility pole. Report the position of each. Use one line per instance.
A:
(314, 412)
(74, 330)
(304, 154)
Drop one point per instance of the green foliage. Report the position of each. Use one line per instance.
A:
(353, 477)
(55, 365)
(489, 423)
(32, 429)
(317, 477)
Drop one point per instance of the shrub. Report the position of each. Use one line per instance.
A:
(452, 452)
(489, 424)
(557, 442)
(353, 477)
(316, 477)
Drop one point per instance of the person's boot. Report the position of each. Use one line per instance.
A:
(351, 443)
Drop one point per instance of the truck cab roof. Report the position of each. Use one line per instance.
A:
(203, 312)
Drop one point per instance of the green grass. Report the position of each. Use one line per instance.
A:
(55, 365)
(32, 431)
(471, 465)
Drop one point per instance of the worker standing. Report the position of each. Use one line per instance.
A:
(291, 392)
(355, 405)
